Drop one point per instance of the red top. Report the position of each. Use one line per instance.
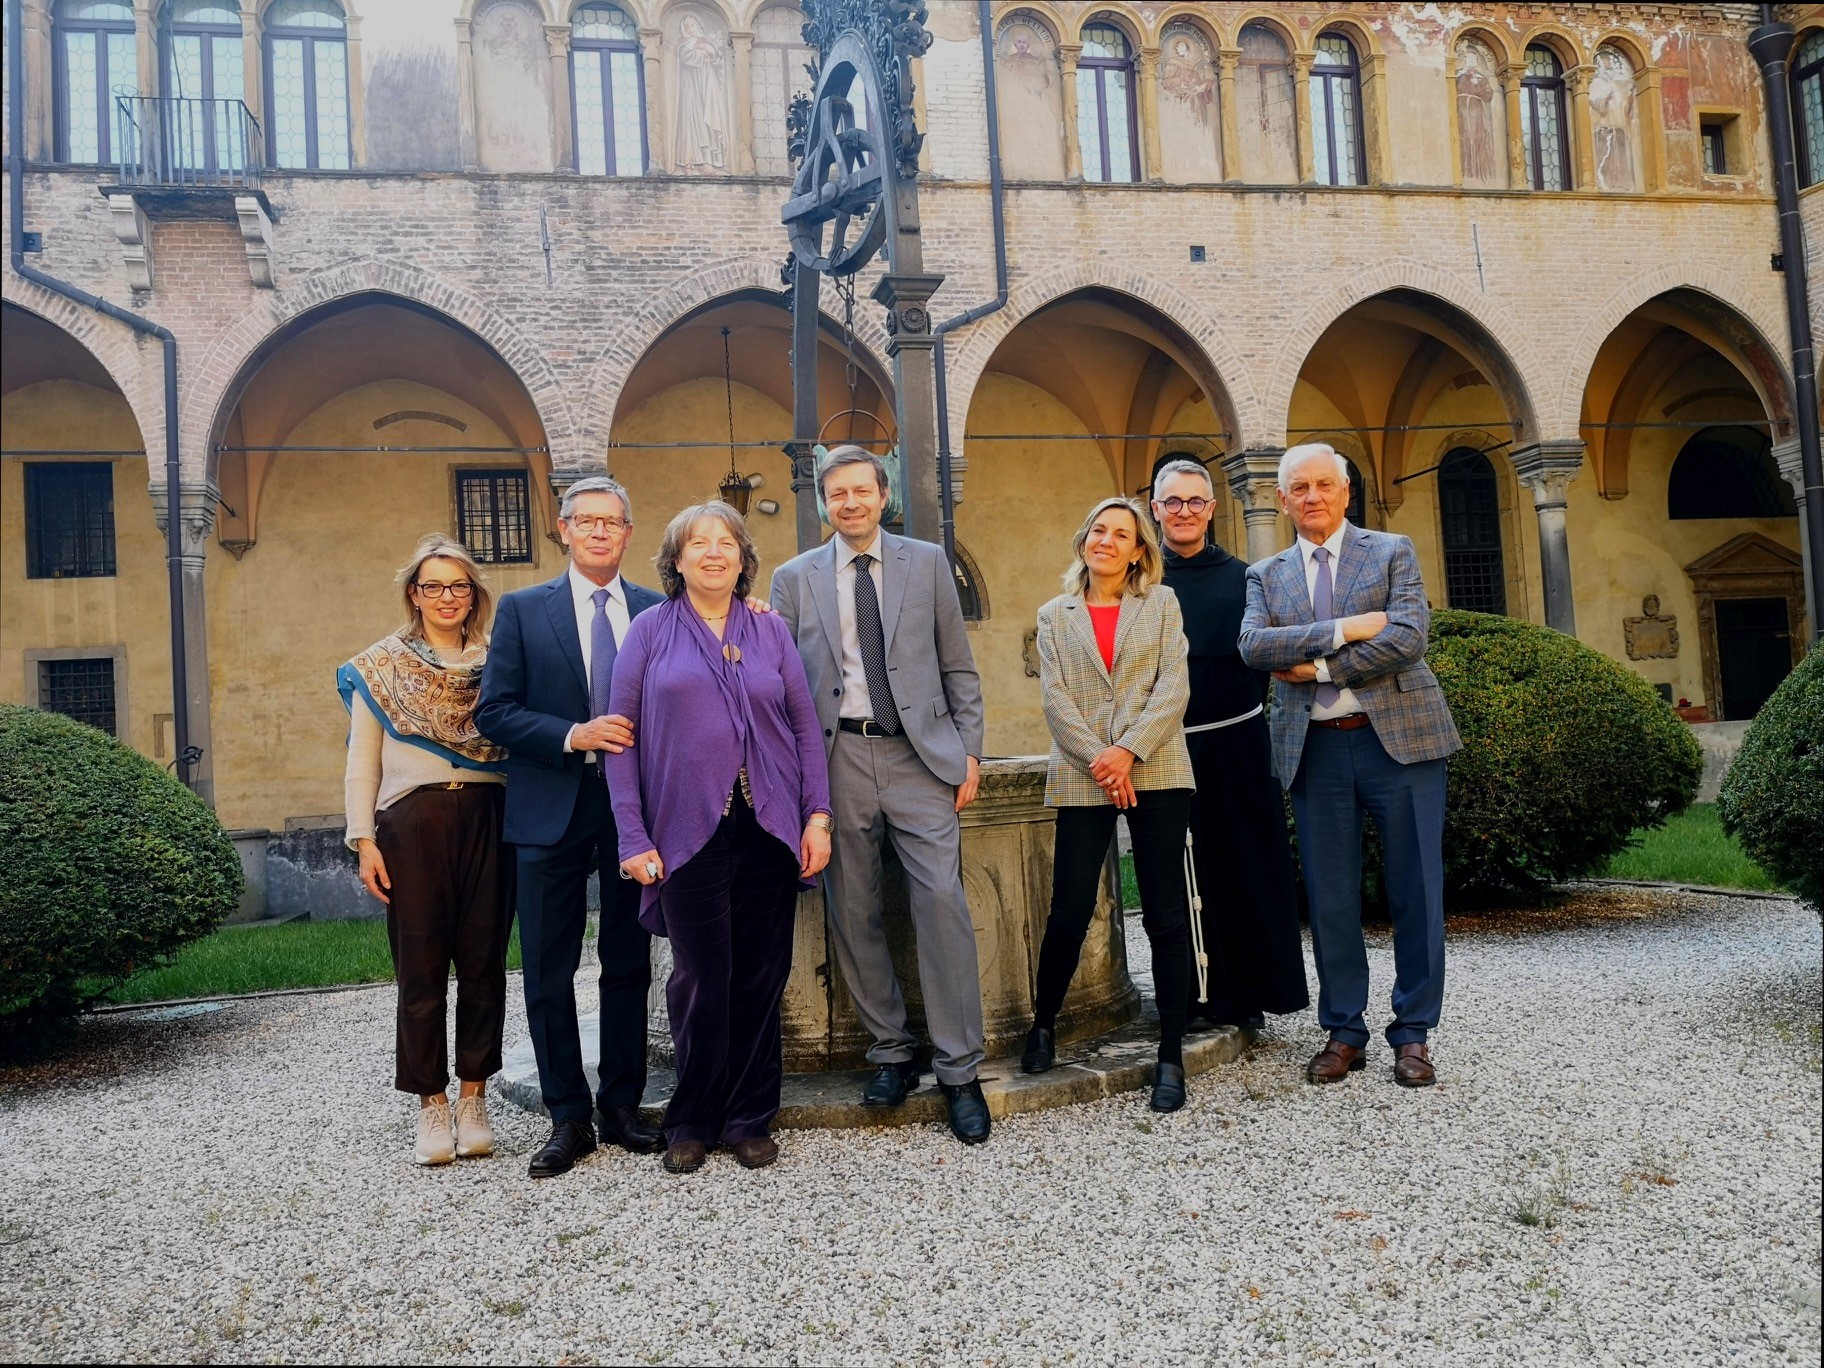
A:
(1105, 617)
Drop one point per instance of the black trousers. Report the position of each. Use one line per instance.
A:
(553, 889)
(452, 903)
(1157, 824)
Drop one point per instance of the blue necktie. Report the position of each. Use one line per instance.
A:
(601, 655)
(1321, 611)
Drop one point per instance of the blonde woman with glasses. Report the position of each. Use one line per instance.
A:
(1114, 679)
(424, 797)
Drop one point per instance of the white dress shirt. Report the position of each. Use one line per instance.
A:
(857, 703)
(1346, 701)
(582, 599)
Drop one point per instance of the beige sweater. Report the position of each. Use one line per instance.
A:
(381, 771)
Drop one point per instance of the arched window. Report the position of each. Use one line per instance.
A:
(968, 586)
(780, 57)
(608, 92)
(307, 85)
(1808, 106)
(1543, 134)
(96, 59)
(1336, 113)
(1106, 130)
(1357, 511)
(1469, 507)
(1728, 472)
(205, 69)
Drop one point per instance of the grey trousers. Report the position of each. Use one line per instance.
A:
(880, 789)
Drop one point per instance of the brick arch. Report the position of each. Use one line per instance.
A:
(1730, 292)
(638, 334)
(1224, 367)
(139, 376)
(214, 378)
(1502, 328)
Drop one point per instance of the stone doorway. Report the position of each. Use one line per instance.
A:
(1751, 622)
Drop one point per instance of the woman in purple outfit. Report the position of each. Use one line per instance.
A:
(723, 807)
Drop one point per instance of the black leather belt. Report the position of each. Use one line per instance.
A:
(1348, 722)
(864, 726)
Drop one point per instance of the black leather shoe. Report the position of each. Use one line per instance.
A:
(1168, 1088)
(570, 1141)
(890, 1084)
(622, 1126)
(969, 1119)
(1041, 1051)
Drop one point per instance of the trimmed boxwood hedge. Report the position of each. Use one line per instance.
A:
(1773, 796)
(110, 864)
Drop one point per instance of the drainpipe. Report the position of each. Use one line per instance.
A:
(946, 491)
(1770, 44)
(15, 170)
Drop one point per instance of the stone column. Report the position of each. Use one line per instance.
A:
(465, 98)
(197, 504)
(563, 127)
(40, 140)
(652, 50)
(1652, 130)
(145, 42)
(357, 96)
(1583, 150)
(743, 43)
(1377, 150)
(1547, 468)
(1519, 174)
(1254, 480)
(1226, 61)
(1301, 104)
(253, 67)
(1073, 150)
(1152, 156)
(1787, 456)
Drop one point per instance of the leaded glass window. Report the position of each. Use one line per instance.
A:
(778, 64)
(69, 520)
(307, 85)
(494, 515)
(1107, 133)
(205, 61)
(1543, 124)
(1469, 507)
(96, 57)
(608, 92)
(1728, 472)
(1808, 106)
(1336, 112)
(79, 689)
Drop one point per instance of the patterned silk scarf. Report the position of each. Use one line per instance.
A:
(424, 701)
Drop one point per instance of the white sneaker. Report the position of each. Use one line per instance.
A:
(474, 1136)
(435, 1144)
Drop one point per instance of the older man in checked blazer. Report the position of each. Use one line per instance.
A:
(1359, 726)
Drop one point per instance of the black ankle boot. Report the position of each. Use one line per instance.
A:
(1041, 1050)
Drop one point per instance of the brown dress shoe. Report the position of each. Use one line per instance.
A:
(685, 1156)
(756, 1152)
(1334, 1062)
(1412, 1066)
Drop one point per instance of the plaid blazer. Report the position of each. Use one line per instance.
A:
(1376, 572)
(1140, 707)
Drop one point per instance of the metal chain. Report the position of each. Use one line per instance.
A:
(845, 291)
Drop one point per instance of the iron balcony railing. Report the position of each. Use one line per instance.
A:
(173, 141)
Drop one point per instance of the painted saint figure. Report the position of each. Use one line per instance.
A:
(1612, 117)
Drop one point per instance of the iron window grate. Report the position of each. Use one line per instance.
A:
(494, 515)
(79, 689)
(69, 520)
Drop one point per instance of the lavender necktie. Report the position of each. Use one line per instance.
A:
(601, 655)
(1321, 611)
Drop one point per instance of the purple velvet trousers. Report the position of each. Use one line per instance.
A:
(729, 915)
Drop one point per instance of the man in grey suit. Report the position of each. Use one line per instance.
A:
(881, 631)
(1359, 725)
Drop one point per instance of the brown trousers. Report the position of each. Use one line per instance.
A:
(452, 903)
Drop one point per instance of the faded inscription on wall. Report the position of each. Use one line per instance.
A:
(512, 89)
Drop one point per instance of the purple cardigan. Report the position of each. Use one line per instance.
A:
(697, 720)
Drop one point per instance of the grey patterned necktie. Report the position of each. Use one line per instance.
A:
(1322, 611)
(601, 655)
(873, 641)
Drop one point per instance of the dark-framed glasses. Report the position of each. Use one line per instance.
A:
(1195, 504)
(589, 525)
(433, 589)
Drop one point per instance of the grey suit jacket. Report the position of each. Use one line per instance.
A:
(1378, 572)
(929, 663)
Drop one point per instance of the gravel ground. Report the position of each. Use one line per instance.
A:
(1621, 1165)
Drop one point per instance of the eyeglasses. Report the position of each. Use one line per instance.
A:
(1178, 505)
(589, 526)
(431, 589)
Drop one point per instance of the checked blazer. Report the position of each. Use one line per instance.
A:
(1139, 707)
(1376, 572)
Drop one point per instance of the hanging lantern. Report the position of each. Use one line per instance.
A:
(735, 488)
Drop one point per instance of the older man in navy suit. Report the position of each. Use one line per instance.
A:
(1359, 726)
(544, 696)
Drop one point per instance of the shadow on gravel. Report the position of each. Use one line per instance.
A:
(1583, 907)
(116, 1045)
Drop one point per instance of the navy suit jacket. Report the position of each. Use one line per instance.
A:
(533, 690)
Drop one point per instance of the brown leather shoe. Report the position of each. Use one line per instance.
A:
(756, 1152)
(685, 1156)
(1412, 1065)
(1334, 1062)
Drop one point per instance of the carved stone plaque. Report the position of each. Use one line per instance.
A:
(1651, 636)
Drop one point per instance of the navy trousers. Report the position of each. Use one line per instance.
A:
(1342, 775)
(553, 895)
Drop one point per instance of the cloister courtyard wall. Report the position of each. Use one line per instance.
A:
(413, 303)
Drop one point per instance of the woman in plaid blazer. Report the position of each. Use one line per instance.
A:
(1113, 672)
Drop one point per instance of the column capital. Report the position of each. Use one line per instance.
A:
(557, 38)
(906, 298)
(1253, 477)
(1788, 456)
(196, 515)
(1547, 468)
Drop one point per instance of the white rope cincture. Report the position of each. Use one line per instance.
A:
(1195, 899)
(1255, 711)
